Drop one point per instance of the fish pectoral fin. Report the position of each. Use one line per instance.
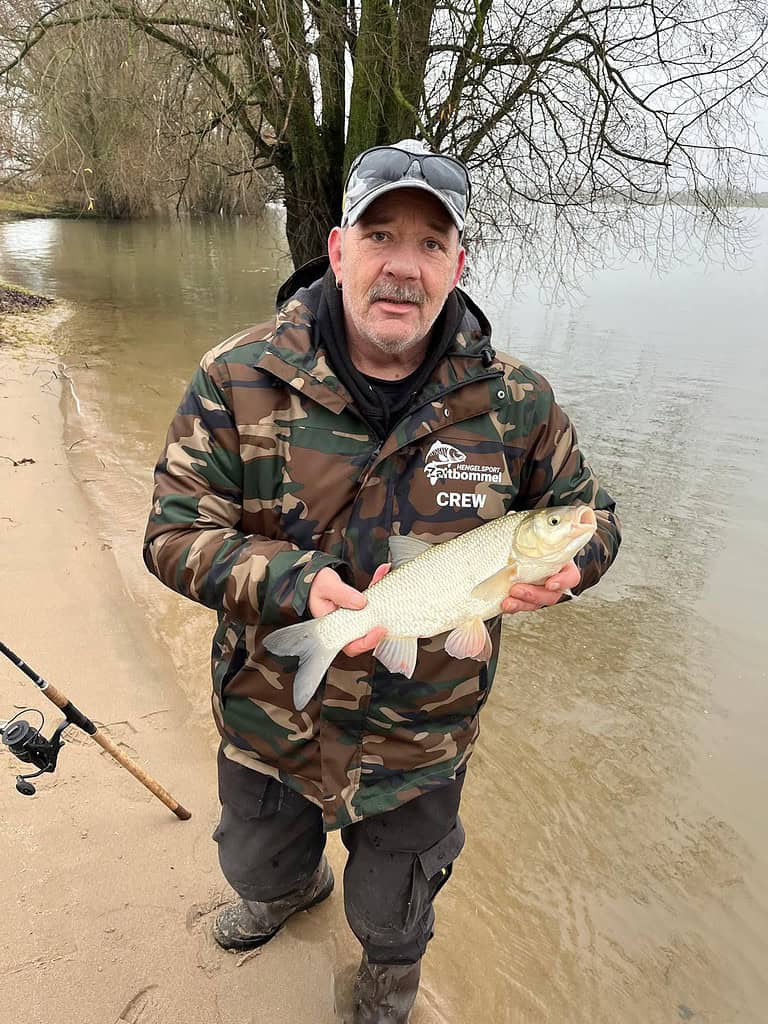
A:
(398, 653)
(405, 549)
(469, 640)
(496, 587)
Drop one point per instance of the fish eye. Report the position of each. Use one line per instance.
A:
(554, 520)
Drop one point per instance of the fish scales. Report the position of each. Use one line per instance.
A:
(452, 588)
(432, 593)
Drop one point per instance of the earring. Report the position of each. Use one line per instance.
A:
(338, 285)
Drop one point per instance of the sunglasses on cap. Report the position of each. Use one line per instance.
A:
(375, 169)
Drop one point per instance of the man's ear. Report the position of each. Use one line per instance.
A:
(459, 265)
(334, 252)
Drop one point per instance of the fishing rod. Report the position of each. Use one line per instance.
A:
(31, 747)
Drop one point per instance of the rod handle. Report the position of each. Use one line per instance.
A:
(138, 773)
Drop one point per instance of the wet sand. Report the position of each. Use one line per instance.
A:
(108, 898)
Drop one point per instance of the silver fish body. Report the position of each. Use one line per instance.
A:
(452, 587)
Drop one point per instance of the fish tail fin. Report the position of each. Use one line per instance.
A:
(302, 641)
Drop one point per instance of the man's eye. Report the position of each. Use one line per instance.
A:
(433, 246)
(378, 236)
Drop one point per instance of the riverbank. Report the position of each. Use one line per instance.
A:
(18, 205)
(109, 898)
(19, 300)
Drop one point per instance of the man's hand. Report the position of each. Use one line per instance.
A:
(527, 597)
(329, 592)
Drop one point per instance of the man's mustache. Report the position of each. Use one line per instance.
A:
(395, 293)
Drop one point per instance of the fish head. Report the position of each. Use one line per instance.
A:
(553, 535)
(442, 452)
(441, 457)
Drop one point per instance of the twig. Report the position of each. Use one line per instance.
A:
(18, 462)
(39, 961)
(247, 956)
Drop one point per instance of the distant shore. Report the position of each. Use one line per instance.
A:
(21, 204)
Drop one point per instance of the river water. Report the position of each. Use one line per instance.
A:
(616, 867)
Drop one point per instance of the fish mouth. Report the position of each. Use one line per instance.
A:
(586, 522)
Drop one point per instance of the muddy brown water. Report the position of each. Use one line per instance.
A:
(616, 867)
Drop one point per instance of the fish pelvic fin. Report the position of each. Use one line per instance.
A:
(496, 587)
(404, 549)
(302, 641)
(398, 654)
(470, 640)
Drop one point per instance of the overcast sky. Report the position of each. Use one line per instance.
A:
(761, 122)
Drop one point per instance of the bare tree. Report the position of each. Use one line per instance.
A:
(102, 113)
(574, 115)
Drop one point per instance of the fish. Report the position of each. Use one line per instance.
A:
(440, 457)
(452, 587)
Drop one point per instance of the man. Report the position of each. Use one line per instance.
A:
(373, 404)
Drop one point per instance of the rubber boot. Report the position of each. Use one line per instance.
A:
(385, 993)
(249, 924)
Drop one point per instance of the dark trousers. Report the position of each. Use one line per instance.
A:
(271, 840)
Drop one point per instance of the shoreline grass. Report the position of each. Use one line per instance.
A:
(27, 204)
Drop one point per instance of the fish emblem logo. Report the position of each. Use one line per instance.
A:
(439, 459)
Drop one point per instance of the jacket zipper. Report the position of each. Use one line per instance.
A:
(362, 477)
(366, 470)
(363, 474)
(441, 394)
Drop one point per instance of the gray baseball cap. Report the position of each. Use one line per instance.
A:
(406, 164)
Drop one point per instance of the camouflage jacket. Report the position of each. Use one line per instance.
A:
(269, 474)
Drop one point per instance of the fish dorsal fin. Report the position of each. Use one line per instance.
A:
(398, 653)
(405, 549)
(498, 585)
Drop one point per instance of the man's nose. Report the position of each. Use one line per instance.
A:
(402, 264)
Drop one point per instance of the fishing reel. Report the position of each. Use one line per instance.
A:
(31, 747)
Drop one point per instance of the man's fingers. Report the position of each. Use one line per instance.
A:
(366, 643)
(345, 596)
(511, 605)
(527, 597)
(567, 577)
(329, 592)
(536, 596)
(319, 606)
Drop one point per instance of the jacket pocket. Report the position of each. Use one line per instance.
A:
(250, 794)
(231, 659)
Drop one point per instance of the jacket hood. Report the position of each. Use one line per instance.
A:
(475, 325)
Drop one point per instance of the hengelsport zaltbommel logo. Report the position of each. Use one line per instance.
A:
(445, 462)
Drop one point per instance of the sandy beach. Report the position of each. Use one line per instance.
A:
(108, 898)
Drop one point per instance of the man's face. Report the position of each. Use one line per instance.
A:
(396, 267)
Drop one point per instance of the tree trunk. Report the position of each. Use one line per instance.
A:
(390, 62)
(410, 35)
(390, 58)
(310, 214)
(331, 59)
(371, 82)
